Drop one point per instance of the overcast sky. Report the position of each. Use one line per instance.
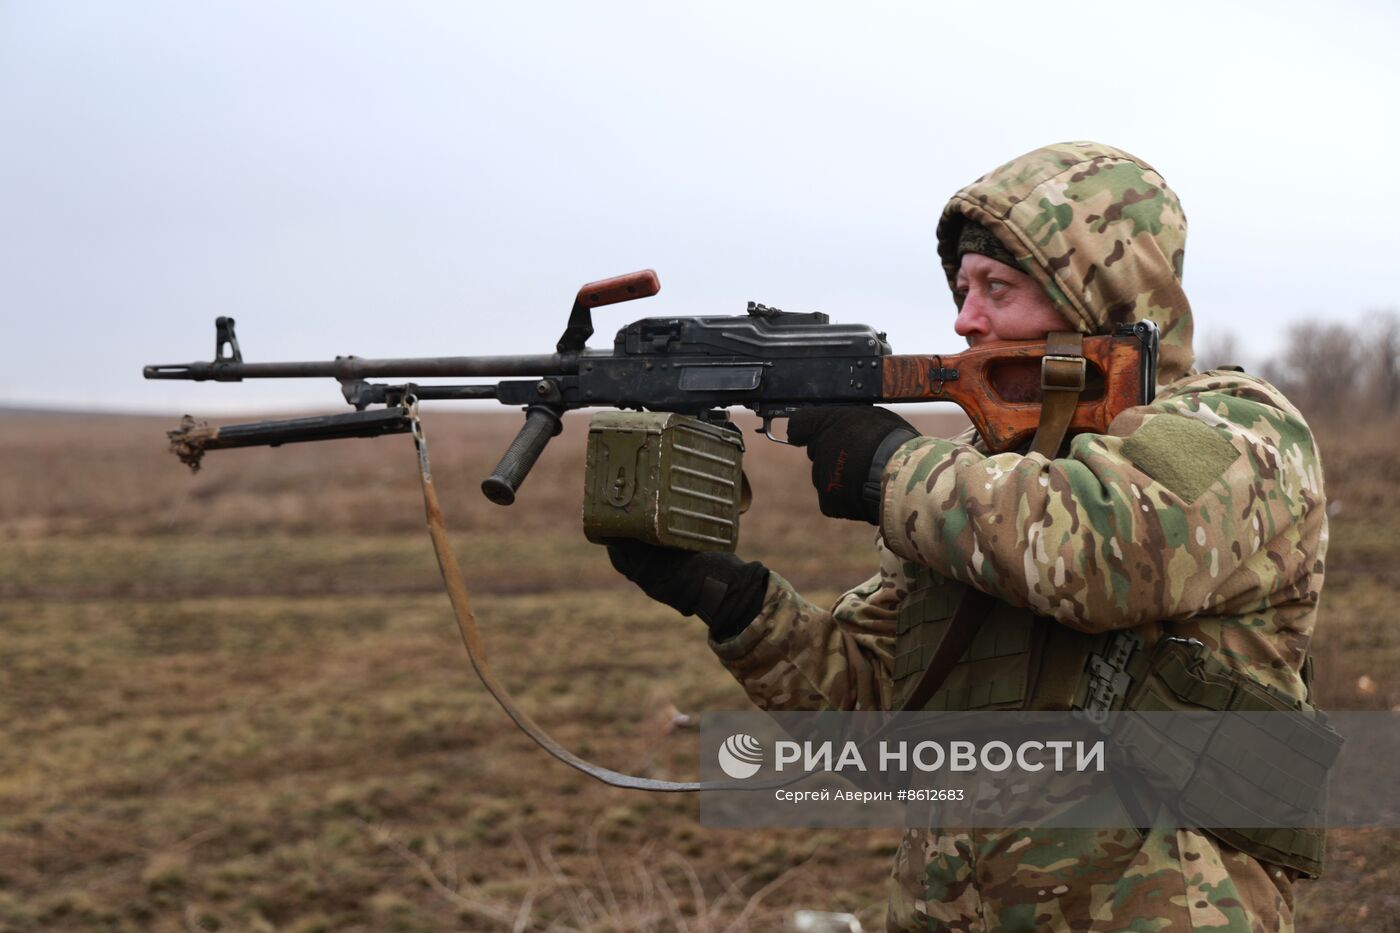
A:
(404, 179)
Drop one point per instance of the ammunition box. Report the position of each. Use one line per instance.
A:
(663, 478)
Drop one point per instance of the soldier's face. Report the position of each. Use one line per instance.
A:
(1002, 303)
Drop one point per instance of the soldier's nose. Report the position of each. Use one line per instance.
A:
(972, 322)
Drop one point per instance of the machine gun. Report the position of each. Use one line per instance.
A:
(770, 361)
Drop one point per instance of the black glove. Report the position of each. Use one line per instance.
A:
(724, 591)
(849, 446)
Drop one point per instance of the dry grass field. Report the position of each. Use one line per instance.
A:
(237, 700)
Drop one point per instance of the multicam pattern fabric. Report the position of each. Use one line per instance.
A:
(1097, 228)
(1201, 515)
(1096, 541)
(1169, 881)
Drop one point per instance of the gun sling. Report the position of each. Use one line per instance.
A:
(471, 637)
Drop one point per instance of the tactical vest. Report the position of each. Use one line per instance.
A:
(1020, 661)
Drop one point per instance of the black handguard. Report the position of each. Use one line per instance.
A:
(723, 590)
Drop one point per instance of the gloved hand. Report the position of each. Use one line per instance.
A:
(724, 591)
(849, 446)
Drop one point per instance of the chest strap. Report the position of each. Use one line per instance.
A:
(962, 628)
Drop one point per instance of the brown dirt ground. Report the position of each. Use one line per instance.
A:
(236, 701)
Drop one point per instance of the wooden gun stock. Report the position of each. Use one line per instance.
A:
(998, 384)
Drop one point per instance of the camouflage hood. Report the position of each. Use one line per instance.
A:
(1099, 230)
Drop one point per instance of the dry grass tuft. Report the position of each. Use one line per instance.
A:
(656, 890)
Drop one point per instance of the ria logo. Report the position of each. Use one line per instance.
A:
(740, 756)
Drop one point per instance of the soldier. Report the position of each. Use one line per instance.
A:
(1199, 516)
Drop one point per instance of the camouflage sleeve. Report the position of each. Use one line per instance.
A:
(798, 656)
(1210, 499)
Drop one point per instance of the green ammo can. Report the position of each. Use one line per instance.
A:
(663, 478)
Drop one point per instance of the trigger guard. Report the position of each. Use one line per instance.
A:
(767, 431)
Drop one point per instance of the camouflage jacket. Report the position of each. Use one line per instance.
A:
(1200, 515)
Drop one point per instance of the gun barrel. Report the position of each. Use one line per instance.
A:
(354, 367)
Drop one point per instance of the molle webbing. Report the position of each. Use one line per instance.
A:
(1009, 658)
(1013, 659)
(1242, 759)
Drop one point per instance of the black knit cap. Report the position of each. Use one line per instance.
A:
(975, 238)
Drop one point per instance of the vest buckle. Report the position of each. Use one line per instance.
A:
(1109, 680)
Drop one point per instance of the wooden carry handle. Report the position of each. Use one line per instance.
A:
(998, 385)
(641, 284)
